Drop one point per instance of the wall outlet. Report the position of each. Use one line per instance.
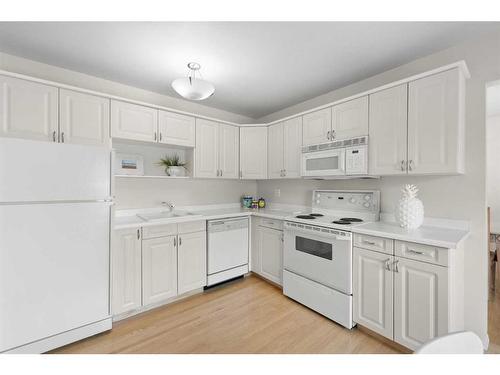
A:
(277, 193)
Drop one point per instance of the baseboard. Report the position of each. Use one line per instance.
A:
(385, 340)
(64, 338)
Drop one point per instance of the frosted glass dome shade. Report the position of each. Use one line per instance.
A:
(193, 88)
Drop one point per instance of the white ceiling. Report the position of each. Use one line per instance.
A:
(257, 68)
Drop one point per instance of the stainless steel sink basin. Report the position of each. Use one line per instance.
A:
(163, 215)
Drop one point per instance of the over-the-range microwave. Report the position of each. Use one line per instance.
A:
(348, 157)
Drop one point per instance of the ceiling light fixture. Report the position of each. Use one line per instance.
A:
(193, 88)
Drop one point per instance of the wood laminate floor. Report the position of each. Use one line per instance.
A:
(246, 316)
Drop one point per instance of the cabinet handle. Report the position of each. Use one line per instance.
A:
(155, 136)
(221, 172)
(410, 165)
(284, 172)
(369, 242)
(138, 234)
(332, 136)
(175, 241)
(180, 241)
(415, 252)
(396, 268)
(160, 136)
(402, 165)
(386, 264)
(241, 174)
(54, 136)
(62, 137)
(328, 135)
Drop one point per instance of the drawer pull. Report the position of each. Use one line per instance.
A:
(369, 243)
(416, 252)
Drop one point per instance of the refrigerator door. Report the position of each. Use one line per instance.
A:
(33, 171)
(54, 269)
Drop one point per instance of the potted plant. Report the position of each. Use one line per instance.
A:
(173, 165)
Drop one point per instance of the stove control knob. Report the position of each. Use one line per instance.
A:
(367, 197)
(352, 200)
(366, 204)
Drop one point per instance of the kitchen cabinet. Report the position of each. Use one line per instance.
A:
(267, 249)
(436, 124)
(373, 299)
(192, 261)
(133, 121)
(126, 271)
(388, 132)
(405, 291)
(28, 110)
(350, 119)
(159, 269)
(229, 151)
(217, 150)
(284, 149)
(84, 118)
(253, 152)
(176, 129)
(420, 302)
(317, 127)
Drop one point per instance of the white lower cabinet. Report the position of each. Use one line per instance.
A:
(159, 269)
(373, 299)
(410, 301)
(192, 261)
(267, 250)
(420, 302)
(126, 271)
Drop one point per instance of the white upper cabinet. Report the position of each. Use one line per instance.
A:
(436, 124)
(229, 151)
(84, 118)
(206, 151)
(350, 119)
(317, 127)
(373, 291)
(176, 129)
(388, 131)
(292, 142)
(420, 302)
(192, 261)
(28, 110)
(132, 121)
(253, 152)
(275, 150)
(159, 269)
(284, 149)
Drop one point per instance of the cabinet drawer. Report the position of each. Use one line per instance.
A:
(385, 245)
(192, 226)
(159, 231)
(424, 253)
(271, 223)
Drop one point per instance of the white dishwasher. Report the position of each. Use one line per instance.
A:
(227, 249)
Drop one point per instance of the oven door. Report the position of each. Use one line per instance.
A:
(324, 258)
(323, 163)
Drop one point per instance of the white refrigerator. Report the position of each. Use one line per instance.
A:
(55, 202)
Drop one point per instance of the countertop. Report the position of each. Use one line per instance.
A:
(427, 235)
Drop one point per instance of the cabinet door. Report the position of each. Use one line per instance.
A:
(253, 152)
(317, 126)
(192, 261)
(388, 131)
(159, 269)
(271, 249)
(229, 151)
(132, 121)
(207, 149)
(126, 271)
(292, 142)
(373, 291)
(28, 110)
(176, 129)
(350, 119)
(84, 118)
(436, 124)
(255, 245)
(420, 302)
(275, 150)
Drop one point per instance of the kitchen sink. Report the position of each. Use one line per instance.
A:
(163, 215)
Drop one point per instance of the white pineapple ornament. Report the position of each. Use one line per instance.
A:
(410, 211)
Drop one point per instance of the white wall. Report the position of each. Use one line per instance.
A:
(493, 172)
(457, 197)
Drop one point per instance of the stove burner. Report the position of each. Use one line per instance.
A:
(341, 222)
(309, 217)
(316, 215)
(351, 219)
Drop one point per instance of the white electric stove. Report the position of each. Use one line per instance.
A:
(318, 251)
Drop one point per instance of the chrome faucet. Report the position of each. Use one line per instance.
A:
(170, 205)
